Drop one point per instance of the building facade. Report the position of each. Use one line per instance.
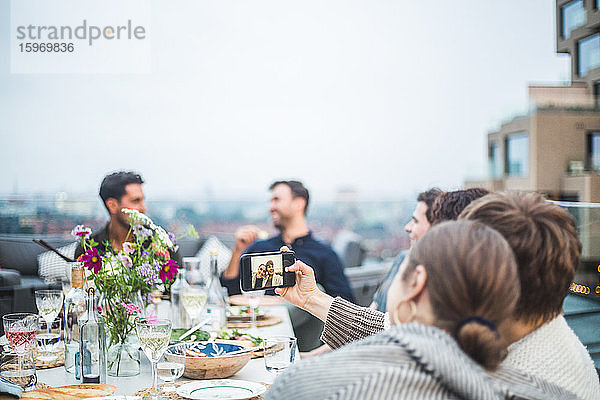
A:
(555, 147)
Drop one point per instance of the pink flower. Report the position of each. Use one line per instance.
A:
(91, 260)
(125, 260)
(168, 271)
(129, 247)
(81, 231)
(151, 318)
(131, 308)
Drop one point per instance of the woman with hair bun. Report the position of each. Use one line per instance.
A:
(457, 285)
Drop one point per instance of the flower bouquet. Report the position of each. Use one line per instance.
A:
(126, 277)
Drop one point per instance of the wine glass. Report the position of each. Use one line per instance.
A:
(280, 352)
(9, 369)
(48, 342)
(154, 338)
(195, 292)
(20, 330)
(253, 298)
(169, 370)
(49, 303)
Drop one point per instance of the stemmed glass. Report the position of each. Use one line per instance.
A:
(49, 304)
(154, 338)
(195, 292)
(280, 352)
(253, 298)
(170, 370)
(20, 330)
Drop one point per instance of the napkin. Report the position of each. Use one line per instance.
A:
(7, 387)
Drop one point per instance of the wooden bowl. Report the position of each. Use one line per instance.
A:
(217, 364)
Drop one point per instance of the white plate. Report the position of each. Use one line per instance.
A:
(230, 389)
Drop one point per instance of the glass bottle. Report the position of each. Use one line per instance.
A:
(92, 343)
(216, 304)
(74, 310)
(178, 313)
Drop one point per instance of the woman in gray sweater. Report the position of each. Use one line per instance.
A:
(458, 283)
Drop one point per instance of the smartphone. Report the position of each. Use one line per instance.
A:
(261, 271)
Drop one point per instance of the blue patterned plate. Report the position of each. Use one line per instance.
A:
(211, 349)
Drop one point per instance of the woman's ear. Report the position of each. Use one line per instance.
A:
(417, 281)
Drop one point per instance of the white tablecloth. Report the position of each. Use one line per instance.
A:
(253, 371)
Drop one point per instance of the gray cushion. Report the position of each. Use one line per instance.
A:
(9, 277)
(19, 252)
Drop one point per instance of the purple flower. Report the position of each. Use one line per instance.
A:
(172, 237)
(145, 253)
(99, 309)
(148, 272)
(81, 231)
(91, 260)
(142, 232)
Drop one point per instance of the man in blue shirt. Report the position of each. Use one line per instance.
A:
(289, 202)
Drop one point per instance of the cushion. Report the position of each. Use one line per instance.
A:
(9, 277)
(213, 243)
(52, 267)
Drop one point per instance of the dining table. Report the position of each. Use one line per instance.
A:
(254, 371)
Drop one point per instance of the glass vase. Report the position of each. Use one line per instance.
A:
(123, 359)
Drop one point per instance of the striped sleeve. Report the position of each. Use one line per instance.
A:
(347, 322)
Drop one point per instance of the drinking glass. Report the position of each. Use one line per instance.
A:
(280, 352)
(20, 330)
(171, 370)
(9, 369)
(49, 303)
(253, 298)
(154, 338)
(195, 293)
(48, 342)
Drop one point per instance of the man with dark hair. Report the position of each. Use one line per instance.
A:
(119, 190)
(448, 206)
(289, 201)
(418, 225)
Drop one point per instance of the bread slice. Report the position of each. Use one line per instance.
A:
(70, 392)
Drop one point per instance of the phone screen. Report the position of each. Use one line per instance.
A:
(262, 271)
(267, 271)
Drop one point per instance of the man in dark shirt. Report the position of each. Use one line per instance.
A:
(119, 190)
(289, 201)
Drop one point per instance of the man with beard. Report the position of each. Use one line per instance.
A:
(289, 202)
(119, 190)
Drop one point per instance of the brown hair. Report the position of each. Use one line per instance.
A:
(544, 239)
(448, 205)
(428, 197)
(472, 284)
(298, 190)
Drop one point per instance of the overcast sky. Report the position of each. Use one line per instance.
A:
(388, 97)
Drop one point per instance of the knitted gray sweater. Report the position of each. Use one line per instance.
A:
(409, 361)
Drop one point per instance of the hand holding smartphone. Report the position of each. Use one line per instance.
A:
(261, 271)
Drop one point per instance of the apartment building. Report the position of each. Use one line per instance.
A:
(555, 147)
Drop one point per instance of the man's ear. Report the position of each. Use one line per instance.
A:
(299, 204)
(113, 205)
